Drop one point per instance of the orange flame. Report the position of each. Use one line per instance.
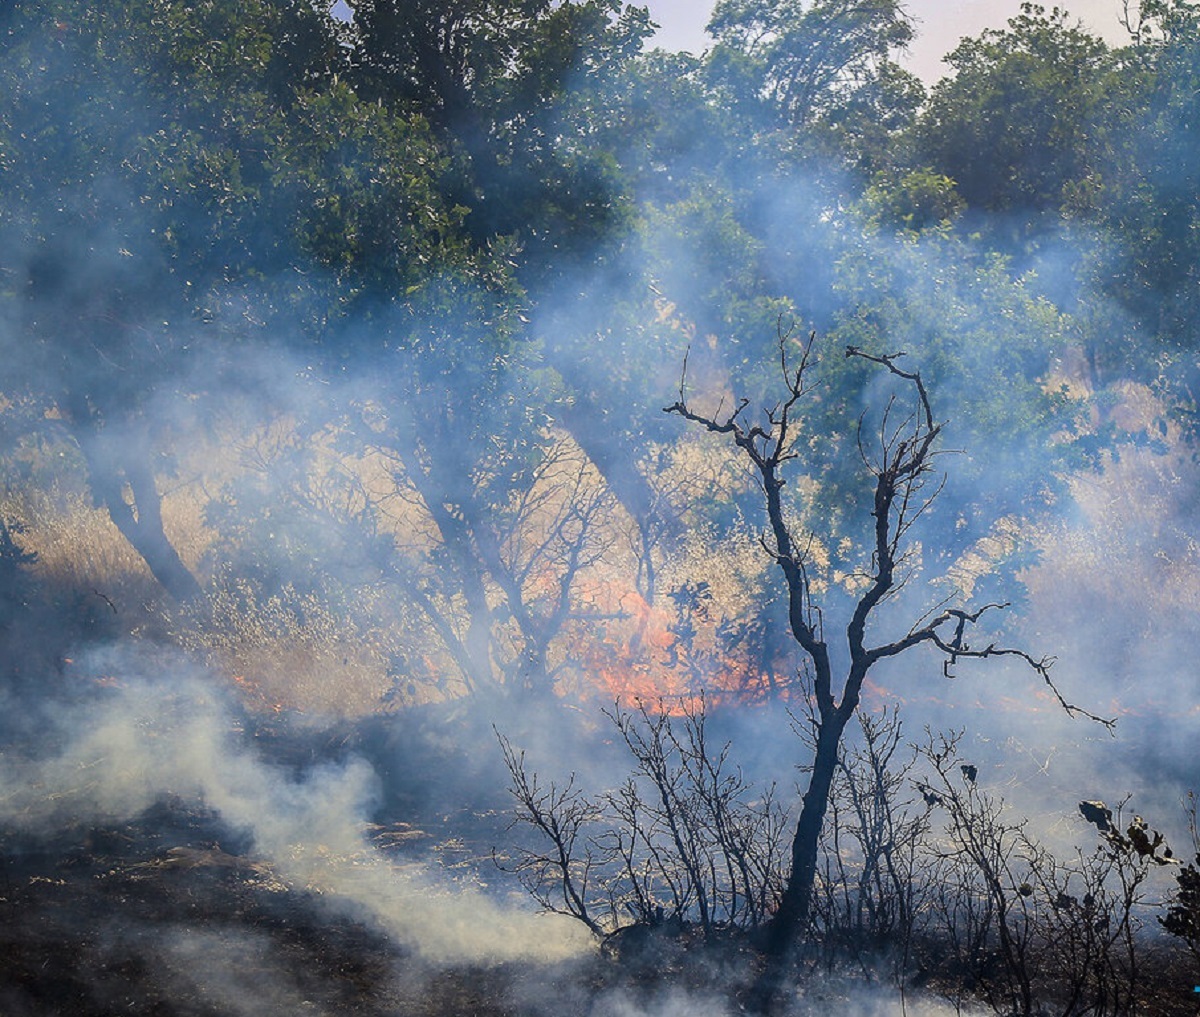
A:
(639, 654)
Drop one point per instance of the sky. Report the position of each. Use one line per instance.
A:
(939, 25)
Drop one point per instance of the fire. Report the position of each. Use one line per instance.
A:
(675, 655)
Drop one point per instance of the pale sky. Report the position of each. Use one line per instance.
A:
(939, 24)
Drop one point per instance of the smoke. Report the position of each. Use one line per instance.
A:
(122, 748)
(819, 995)
(709, 270)
(242, 974)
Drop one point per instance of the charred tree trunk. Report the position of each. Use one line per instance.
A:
(788, 923)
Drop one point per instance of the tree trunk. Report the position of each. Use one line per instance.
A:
(616, 459)
(790, 920)
(787, 926)
(140, 519)
(444, 488)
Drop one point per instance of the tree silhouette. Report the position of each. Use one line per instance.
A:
(902, 460)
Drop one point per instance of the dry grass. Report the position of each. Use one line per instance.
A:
(1134, 546)
(83, 563)
(291, 652)
(1132, 552)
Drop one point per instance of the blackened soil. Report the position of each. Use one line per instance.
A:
(167, 917)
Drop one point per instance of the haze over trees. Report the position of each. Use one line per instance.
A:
(336, 351)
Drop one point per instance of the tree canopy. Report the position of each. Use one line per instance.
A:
(478, 240)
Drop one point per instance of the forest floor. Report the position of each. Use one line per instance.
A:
(166, 916)
(174, 914)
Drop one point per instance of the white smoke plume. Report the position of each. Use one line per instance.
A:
(173, 734)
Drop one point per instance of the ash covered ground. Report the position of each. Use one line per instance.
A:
(164, 854)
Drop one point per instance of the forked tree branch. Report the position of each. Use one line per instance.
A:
(902, 470)
(768, 448)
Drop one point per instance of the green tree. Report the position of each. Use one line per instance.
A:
(1018, 124)
(1148, 215)
(916, 201)
(990, 345)
(824, 72)
(529, 100)
(516, 90)
(133, 140)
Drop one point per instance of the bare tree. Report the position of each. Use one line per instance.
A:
(512, 533)
(559, 875)
(901, 459)
(985, 872)
(685, 841)
(1035, 932)
(1183, 912)
(870, 883)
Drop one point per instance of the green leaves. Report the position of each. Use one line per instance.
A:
(823, 68)
(1019, 121)
(521, 93)
(987, 347)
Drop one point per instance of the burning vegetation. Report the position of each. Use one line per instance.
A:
(471, 542)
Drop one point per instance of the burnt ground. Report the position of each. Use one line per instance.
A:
(164, 917)
(172, 914)
(167, 916)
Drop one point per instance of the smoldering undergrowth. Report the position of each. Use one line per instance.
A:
(929, 879)
(155, 727)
